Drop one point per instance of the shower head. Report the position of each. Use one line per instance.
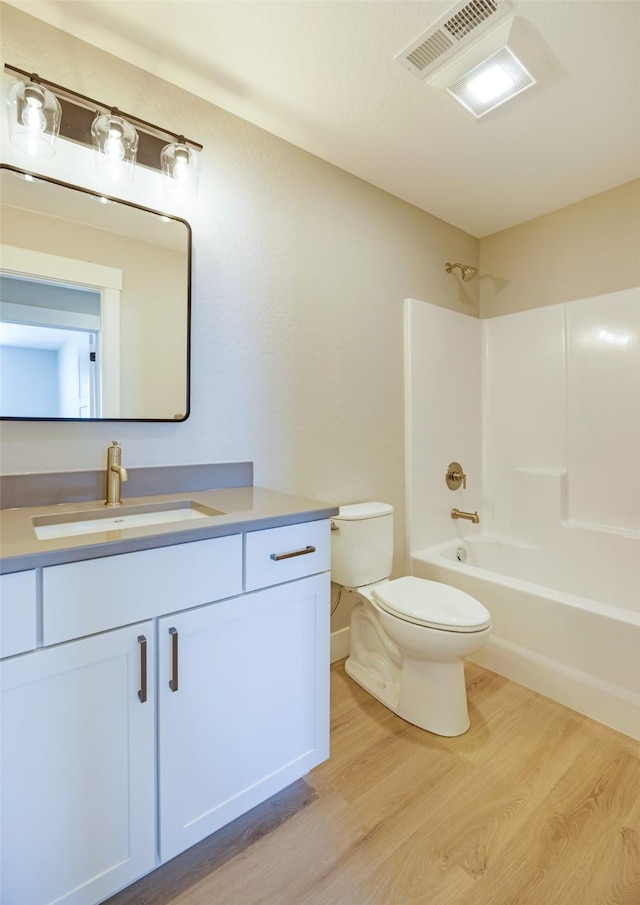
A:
(466, 270)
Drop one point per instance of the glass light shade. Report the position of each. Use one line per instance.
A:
(116, 145)
(34, 119)
(181, 171)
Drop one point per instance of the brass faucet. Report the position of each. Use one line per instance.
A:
(470, 516)
(116, 474)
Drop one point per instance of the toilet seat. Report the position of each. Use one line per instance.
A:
(432, 604)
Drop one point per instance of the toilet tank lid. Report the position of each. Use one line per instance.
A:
(356, 511)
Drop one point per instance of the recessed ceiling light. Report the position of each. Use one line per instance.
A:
(497, 65)
(494, 81)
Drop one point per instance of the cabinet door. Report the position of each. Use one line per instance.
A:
(77, 769)
(243, 705)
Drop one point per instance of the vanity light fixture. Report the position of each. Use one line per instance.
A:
(39, 110)
(181, 170)
(34, 118)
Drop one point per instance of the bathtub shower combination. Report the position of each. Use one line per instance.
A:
(550, 440)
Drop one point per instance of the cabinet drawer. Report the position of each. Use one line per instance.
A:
(86, 597)
(17, 613)
(283, 554)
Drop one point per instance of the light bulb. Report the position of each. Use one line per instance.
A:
(181, 169)
(32, 115)
(113, 146)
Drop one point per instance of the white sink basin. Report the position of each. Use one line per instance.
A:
(92, 521)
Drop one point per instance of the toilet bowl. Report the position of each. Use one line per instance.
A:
(416, 668)
(409, 635)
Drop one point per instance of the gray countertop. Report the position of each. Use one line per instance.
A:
(245, 508)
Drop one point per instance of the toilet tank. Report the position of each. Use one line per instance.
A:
(362, 544)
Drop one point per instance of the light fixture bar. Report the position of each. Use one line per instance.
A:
(79, 111)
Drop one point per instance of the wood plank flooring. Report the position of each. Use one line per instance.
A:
(534, 805)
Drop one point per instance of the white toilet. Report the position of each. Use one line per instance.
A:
(408, 636)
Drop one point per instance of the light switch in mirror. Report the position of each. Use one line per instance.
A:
(94, 305)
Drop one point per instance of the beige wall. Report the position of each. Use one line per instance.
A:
(300, 271)
(583, 250)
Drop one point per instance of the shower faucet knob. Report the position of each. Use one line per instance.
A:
(455, 476)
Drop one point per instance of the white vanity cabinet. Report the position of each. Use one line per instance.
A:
(78, 784)
(171, 690)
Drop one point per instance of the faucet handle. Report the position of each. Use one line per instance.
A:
(114, 453)
(455, 476)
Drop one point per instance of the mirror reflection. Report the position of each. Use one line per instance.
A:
(94, 306)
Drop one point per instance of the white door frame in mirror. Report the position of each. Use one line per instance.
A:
(98, 277)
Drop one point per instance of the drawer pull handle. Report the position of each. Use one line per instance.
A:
(278, 556)
(142, 692)
(173, 681)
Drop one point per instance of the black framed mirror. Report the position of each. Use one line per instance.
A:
(95, 305)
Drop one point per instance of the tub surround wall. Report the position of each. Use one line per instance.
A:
(561, 413)
(442, 420)
(603, 407)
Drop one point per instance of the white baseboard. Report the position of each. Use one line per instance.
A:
(340, 642)
(606, 703)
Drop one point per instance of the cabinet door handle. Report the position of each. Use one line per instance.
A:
(173, 680)
(142, 692)
(278, 556)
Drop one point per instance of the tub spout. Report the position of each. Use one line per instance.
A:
(470, 516)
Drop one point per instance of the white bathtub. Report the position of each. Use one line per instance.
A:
(578, 651)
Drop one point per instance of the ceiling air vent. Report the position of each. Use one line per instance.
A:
(453, 31)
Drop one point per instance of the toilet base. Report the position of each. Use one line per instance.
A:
(387, 692)
(432, 696)
(418, 677)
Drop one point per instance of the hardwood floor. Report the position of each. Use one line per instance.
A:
(534, 805)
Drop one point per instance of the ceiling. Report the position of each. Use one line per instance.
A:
(322, 75)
